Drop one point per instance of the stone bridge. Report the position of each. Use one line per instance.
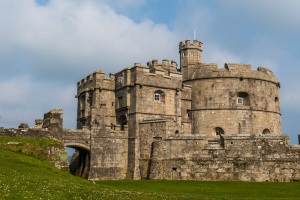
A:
(51, 127)
(80, 141)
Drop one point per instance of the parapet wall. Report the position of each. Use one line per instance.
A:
(154, 74)
(96, 80)
(188, 45)
(242, 71)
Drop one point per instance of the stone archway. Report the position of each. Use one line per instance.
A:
(80, 162)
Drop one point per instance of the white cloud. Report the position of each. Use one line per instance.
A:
(45, 50)
(24, 100)
(83, 34)
(216, 55)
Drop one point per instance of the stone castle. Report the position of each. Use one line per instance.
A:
(194, 121)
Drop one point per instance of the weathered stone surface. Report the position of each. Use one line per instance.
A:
(195, 122)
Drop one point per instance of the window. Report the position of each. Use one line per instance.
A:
(219, 131)
(159, 96)
(240, 100)
(192, 53)
(156, 97)
(243, 99)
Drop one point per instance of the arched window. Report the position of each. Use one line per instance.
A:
(243, 99)
(266, 131)
(219, 131)
(159, 96)
(122, 121)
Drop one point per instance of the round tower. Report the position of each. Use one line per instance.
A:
(190, 54)
(234, 100)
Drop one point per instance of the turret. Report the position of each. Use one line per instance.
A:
(190, 54)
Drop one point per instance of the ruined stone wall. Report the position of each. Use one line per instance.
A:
(215, 94)
(56, 155)
(27, 132)
(247, 158)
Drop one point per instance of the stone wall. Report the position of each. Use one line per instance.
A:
(56, 154)
(235, 99)
(247, 158)
(109, 155)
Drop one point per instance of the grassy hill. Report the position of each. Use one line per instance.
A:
(28, 177)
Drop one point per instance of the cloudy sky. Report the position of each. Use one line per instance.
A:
(47, 46)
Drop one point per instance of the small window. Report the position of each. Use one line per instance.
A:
(219, 131)
(243, 98)
(240, 100)
(156, 97)
(192, 53)
(159, 96)
(266, 131)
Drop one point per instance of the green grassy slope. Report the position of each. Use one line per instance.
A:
(38, 148)
(26, 177)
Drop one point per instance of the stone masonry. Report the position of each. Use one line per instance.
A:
(194, 121)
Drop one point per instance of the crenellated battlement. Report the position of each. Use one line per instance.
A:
(97, 75)
(153, 72)
(164, 74)
(231, 70)
(188, 45)
(164, 65)
(96, 80)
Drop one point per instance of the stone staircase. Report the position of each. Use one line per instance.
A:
(213, 144)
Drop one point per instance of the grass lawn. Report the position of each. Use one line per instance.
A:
(27, 177)
(212, 190)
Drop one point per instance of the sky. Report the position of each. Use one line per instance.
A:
(47, 46)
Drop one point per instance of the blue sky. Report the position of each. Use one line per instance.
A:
(47, 46)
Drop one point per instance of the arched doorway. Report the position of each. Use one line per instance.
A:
(79, 161)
